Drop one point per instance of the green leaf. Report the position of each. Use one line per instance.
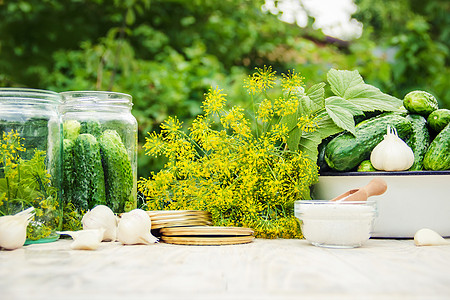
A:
(341, 80)
(369, 98)
(310, 140)
(350, 86)
(341, 112)
(310, 103)
(314, 99)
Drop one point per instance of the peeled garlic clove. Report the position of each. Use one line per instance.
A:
(134, 228)
(428, 237)
(85, 239)
(101, 216)
(13, 229)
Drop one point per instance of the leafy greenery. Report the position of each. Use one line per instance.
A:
(167, 54)
(352, 97)
(25, 183)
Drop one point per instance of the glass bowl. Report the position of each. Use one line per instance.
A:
(345, 224)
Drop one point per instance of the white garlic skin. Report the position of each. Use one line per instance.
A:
(101, 216)
(13, 229)
(392, 154)
(89, 239)
(428, 237)
(134, 228)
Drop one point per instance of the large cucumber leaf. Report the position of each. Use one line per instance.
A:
(341, 112)
(350, 86)
(310, 141)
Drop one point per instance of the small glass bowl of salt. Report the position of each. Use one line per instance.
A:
(336, 224)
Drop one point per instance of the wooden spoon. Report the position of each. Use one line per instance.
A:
(376, 186)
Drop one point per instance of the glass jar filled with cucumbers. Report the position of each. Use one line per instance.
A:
(99, 151)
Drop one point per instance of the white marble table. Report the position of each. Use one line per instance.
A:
(263, 269)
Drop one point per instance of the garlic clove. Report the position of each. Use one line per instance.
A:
(428, 237)
(89, 239)
(134, 228)
(13, 229)
(101, 216)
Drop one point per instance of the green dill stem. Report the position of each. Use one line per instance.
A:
(254, 115)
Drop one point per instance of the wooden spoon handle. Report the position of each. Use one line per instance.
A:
(375, 187)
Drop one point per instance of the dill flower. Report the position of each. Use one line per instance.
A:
(220, 165)
(291, 81)
(261, 80)
(214, 101)
(170, 127)
(265, 110)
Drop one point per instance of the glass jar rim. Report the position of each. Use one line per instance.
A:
(29, 95)
(96, 96)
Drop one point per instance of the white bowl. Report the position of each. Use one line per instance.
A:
(345, 224)
(413, 200)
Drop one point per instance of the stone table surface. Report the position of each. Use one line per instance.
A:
(262, 269)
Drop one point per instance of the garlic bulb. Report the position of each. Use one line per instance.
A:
(392, 154)
(89, 239)
(428, 237)
(134, 228)
(13, 229)
(101, 216)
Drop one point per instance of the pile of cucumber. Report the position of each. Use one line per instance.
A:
(422, 125)
(96, 167)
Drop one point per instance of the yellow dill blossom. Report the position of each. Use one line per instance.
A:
(284, 107)
(170, 127)
(265, 110)
(214, 101)
(307, 123)
(261, 80)
(154, 144)
(291, 81)
(279, 132)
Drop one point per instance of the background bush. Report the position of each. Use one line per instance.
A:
(166, 54)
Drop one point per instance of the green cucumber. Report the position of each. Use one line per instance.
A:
(68, 170)
(420, 102)
(438, 119)
(437, 157)
(346, 151)
(366, 166)
(419, 140)
(89, 185)
(118, 171)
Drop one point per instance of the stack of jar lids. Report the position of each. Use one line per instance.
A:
(192, 227)
(175, 218)
(207, 235)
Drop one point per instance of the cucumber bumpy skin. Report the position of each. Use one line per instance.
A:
(437, 157)
(68, 171)
(420, 102)
(419, 140)
(438, 119)
(345, 152)
(89, 185)
(118, 172)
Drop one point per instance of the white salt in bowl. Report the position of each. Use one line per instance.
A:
(345, 224)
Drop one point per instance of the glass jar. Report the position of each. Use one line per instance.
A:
(100, 150)
(30, 159)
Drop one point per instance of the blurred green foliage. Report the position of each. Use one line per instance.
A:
(166, 54)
